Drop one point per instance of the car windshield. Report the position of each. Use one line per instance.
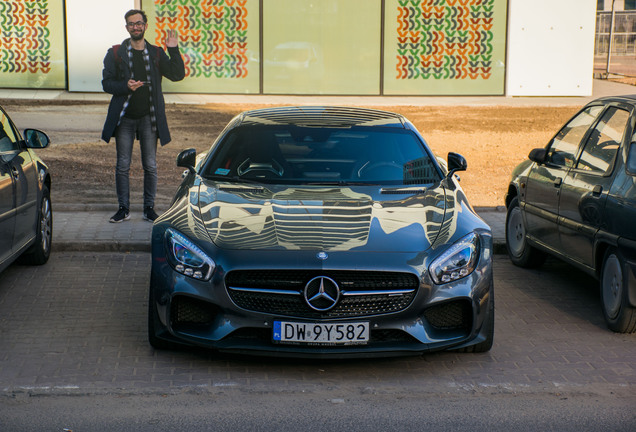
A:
(309, 155)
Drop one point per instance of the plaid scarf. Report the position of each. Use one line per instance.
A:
(153, 118)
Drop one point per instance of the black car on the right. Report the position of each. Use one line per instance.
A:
(576, 199)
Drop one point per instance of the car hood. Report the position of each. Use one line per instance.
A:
(325, 218)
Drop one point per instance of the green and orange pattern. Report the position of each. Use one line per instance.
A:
(444, 39)
(25, 46)
(212, 35)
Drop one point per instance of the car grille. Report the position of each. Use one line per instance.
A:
(280, 292)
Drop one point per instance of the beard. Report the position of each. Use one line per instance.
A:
(137, 36)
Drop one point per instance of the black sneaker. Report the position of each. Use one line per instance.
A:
(149, 214)
(121, 215)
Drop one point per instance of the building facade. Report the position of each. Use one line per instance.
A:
(311, 47)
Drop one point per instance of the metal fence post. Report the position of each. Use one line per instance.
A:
(611, 36)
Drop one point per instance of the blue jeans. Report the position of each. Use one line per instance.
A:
(125, 135)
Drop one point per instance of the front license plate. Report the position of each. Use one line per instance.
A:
(354, 333)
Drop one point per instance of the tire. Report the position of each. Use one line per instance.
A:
(620, 316)
(153, 318)
(40, 251)
(520, 252)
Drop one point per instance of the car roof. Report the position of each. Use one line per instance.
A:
(629, 99)
(323, 116)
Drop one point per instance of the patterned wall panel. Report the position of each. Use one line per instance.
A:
(321, 47)
(445, 46)
(218, 41)
(32, 44)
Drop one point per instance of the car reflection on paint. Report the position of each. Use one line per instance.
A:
(576, 199)
(321, 232)
(26, 217)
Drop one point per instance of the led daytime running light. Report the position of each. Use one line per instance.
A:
(187, 258)
(457, 262)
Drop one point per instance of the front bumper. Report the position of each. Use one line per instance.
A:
(438, 317)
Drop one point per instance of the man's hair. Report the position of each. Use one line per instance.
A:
(135, 12)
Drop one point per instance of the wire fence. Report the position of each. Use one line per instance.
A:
(615, 44)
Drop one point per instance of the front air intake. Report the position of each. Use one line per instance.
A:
(454, 315)
(188, 311)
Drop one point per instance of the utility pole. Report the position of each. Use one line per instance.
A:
(609, 45)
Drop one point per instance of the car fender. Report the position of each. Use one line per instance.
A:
(516, 188)
(628, 250)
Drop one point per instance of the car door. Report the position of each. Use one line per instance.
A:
(25, 184)
(543, 185)
(620, 208)
(8, 142)
(585, 188)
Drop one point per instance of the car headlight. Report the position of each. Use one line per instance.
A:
(186, 258)
(457, 262)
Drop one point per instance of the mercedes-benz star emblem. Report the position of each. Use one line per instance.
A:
(322, 293)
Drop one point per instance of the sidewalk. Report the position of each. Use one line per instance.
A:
(600, 88)
(89, 229)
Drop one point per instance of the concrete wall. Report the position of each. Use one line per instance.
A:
(91, 29)
(550, 50)
(550, 46)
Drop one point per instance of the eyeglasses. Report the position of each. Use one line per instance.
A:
(135, 24)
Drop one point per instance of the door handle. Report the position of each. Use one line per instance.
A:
(15, 172)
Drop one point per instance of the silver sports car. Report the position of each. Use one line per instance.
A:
(321, 232)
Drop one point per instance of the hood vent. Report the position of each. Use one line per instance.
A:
(403, 191)
(230, 189)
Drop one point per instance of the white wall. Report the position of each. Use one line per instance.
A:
(550, 48)
(91, 29)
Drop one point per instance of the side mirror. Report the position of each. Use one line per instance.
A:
(537, 155)
(187, 159)
(456, 162)
(36, 139)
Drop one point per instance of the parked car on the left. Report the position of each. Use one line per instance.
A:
(26, 218)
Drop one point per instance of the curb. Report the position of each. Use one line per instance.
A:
(70, 207)
(499, 247)
(68, 240)
(99, 246)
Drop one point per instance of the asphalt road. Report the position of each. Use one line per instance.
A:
(324, 412)
(73, 349)
(64, 124)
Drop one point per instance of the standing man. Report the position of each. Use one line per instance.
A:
(132, 74)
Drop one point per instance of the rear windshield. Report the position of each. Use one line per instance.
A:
(309, 155)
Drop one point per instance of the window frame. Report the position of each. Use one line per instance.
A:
(576, 148)
(11, 133)
(587, 140)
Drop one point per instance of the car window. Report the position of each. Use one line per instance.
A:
(565, 144)
(604, 141)
(8, 139)
(301, 155)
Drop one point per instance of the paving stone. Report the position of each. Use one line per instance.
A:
(79, 324)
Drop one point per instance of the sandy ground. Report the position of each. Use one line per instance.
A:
(493, 140)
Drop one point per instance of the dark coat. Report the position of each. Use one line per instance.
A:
(115, 78)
